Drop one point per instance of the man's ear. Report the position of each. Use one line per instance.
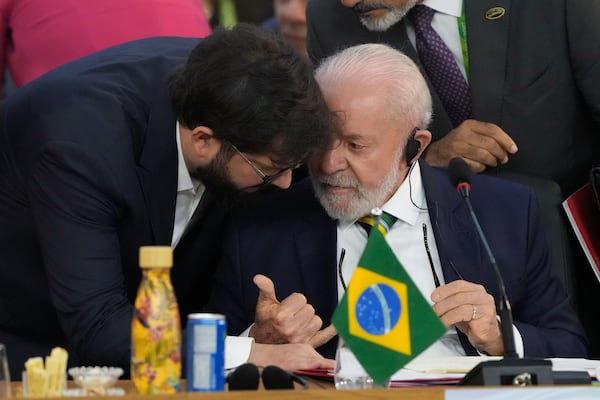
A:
(424, 138)
(202, 144)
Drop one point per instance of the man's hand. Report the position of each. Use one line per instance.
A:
(481, 144)
(468, 306)
(289, 357)
(292, 320)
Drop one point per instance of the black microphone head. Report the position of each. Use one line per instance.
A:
(275, 378)
(244, 377)
(459, 171)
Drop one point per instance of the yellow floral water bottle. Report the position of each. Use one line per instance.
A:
(155, 328)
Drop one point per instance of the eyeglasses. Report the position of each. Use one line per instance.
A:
(266, 179)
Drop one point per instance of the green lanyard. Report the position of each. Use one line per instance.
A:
(227, 13)
(462, 34)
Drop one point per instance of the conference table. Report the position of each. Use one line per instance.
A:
(323, 390)
(317, 389)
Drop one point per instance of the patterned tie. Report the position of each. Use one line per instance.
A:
(440, 65)
(385, 223)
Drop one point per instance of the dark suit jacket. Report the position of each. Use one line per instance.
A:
(289, 238)
(88, 174)
(533, 72)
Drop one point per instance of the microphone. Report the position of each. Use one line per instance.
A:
(511, 370)
(244, 377)
(276, 378)
(460, 175)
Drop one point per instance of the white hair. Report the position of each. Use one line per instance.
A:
(373, 63)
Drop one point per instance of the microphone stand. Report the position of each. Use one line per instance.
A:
(511, 370)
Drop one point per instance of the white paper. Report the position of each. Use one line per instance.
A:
(440, 368)
(531, 393)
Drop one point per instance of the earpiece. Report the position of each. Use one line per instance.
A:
(412, 147)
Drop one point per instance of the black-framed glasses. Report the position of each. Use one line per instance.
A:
(266, 179)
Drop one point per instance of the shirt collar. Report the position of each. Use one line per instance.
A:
(406, 203)
(450, 7)
(184, 181)
(408, 200)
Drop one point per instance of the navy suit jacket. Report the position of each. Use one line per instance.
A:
(88, 174)
(289, 238)
(534, 72)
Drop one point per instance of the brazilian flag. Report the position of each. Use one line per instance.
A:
(383, 317)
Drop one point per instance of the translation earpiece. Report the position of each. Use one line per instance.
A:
(412, 147)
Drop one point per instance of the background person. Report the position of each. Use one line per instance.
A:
(290, 22)
(39, 35)
(538, 93)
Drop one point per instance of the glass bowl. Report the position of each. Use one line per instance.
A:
(95, 380)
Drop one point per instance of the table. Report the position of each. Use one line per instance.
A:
(317, 390)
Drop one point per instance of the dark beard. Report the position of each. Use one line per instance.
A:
(216, 180)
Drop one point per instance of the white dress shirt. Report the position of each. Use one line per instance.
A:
(189, 193)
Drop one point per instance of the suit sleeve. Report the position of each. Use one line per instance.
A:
(583, 32)
(552, 328)
(76, 207)
(313, 45)
(231, 283)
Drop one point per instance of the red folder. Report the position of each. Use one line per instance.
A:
(584, 215)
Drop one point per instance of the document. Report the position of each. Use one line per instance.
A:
(450, 370)
(530, 393)
(584, 217)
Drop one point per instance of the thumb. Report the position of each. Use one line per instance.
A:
(323, 336)
(266, 289)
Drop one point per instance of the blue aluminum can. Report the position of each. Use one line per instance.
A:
(205, 352)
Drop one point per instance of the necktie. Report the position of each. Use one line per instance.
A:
(385, 223)
(440, 65)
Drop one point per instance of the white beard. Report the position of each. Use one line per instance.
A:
(361, 202)
(390, 19)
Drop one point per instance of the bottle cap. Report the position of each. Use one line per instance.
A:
(156, 257)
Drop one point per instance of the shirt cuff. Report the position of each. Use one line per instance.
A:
(519, 348)
(237, 350)
(246, 333)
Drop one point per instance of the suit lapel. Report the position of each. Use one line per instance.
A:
(487, 42)
(315, 246)
(458, 246)
(157, 169)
